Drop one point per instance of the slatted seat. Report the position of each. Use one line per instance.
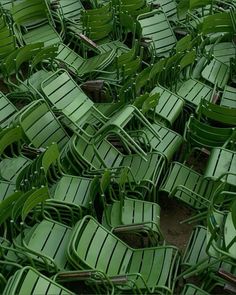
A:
(74, 191)
(7, 110)
(169, 106)
(229, 97)
(149, 269)
(223, 51)
(221, 164)
(193, 91)
(217, 73)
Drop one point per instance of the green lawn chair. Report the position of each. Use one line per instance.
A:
(40, 125)
(29, 280)
(196, 261)
(193, 91)
(19, 67)
(69, 12)
(127, 215)
(228, 97)
(38, 241)
(221, 165)
(145, 270)
(12, 163)
(217, 73)
(223, 51)
(98, 23)
(188, 186)
(155, 28)
(168, 142)
(144, 174)
(42, 170)
(198, 134)
(226, 116)
(62, 91)
(7, 110)
(169, 106)
(80, 67)
(33, 23)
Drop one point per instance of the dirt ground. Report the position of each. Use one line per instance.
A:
(172, 212)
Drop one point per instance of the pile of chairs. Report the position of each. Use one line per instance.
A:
(108, 108)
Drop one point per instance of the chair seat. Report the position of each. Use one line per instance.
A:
(193, 91)
(45, 33)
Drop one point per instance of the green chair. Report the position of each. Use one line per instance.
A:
(193, 91)
(127, 215)
(7, 111)
(81, 67)
(29, 280)
(69, 12)
(155, 28)
(188, 186)
(196, 261)
(98, 23)
(223, 51)
(217, 73)
(221, 165)
(144, 174)
(144, 270)
(198, 134)
(38, 241)
(228, 97)
(168, 142)
(40, 125)
(212, 112)
(42, 170)
(169, 107)
(33, 23)
(12, 163)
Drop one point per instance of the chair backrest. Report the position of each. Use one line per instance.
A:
(10, 135)
(29, 280)
(7, 109)
(217, 113)
(152, 25)
(71, 10)
(97, 248)
(27, 13)
(63, 93)
(40, 125)
(203, 135)
(100, 156)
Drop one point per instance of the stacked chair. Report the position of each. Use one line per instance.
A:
(108, 109)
